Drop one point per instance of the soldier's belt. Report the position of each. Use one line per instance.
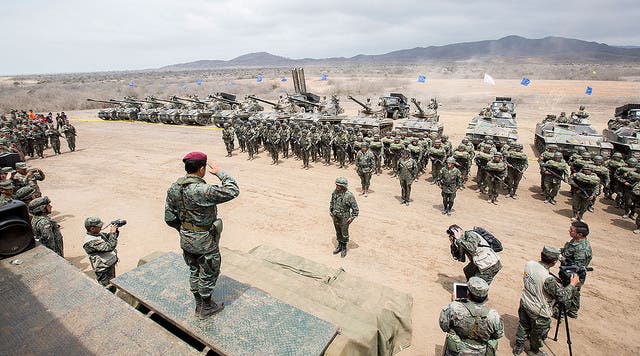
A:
(191, 227)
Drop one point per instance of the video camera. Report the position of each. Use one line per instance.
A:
(118, 222)
(569, 270)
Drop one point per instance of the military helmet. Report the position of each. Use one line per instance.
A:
(444, 137)
(478, 287)
(587, 167)
(557, 154)
(632, 160)
(462, 146)
(39, 205)
(552, 146)
(451, 160)
(517, 145)
(598, 158)
(581, 149)
(342, 181)
(585, 155)
(365, 144)
(465, 139)
(497, 154)
(617, 155)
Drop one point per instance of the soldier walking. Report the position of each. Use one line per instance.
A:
(69, 132)
(517, 163)
(407, 172)
(228, 136)
(449, 180)
(496, 171)
(342, 209)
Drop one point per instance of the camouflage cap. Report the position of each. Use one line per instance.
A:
(39, 204)
(92, 221)
(6, 185)
(342, 181)
(550, 252)
(365, 144)
(497, 154)
(24, 192)
(478, 287)
(598, 158)
(557, 154)
(7, 170)
(21, 165)
(617, 155)
(632, 160)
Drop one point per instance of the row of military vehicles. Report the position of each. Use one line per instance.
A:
(496, 121)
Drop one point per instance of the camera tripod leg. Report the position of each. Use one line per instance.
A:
(566, 324)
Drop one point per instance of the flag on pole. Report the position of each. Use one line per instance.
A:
(284, 79)
(132, 84)
(229, 84)
(525, 81)
(421, 79)
(589, 90)
(324, 77)
(184, 86)
(199, 82)
(487, 79)
(259, 79)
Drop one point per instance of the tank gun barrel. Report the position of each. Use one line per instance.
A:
(415, 102)
(191, 100)
(225, 100)
(365, 106)
(263, 101)
(104, 101)
(304, 102)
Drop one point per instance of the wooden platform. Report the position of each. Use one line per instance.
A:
(252, 322)
(49, 307)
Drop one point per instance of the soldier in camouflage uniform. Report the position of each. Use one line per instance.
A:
(541, 291)
(587, 187)
(576, 252)
(603, 173)
(396, 149)
(386, 146)
(305, 145)
(6, 192)
(365, 164)
(481, 160)
(463, 161)
(613, 164)
(626, 177)
(39, 141)
(101, 250)
(26, 194)
(54, 139)
(438, 156)
(517, 163)
(273, 141)
(472, 328)
(45, 230)
(375, 146)
(191, 208)
(24, 176)
(69, 132)
(496, 171)
(407, 172)
(546, 156)
(449, 180)
(553, 173)
(228, 137)
(285, 138)
(342, 209)
(483, 261)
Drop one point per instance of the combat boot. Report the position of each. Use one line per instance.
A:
(343, 254)
(209, 307)
(518, 349)
(338, 249)
(198, 303)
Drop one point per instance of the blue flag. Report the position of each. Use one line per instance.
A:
(525, 81)
(132, 84)
(324, 77)
(199, 82)
(589, 90)
(284, 79)
(229, 84)
(184, 86)
(259, 79)
(421, 79)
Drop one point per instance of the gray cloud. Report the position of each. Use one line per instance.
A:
(74, 35)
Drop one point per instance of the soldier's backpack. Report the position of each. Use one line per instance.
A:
(493, 241)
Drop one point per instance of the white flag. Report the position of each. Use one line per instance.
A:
(488, 79)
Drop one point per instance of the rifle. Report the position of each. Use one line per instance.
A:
(517, 170)
(553, 173)
(574, 184)
(498, 178)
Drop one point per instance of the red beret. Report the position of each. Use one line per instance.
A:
(195, 156)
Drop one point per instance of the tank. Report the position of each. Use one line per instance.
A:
(623, 131)
(422, 121)
(107, 113)
(150, 110)
(501, 129)
(569, 135)
(323, 112)
(128, 109)
(368, 119)
(242, 112)
(197, 112)
(170, 113)
(503, 107)
(395, 106)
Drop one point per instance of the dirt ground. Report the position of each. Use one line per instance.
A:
(122, 170)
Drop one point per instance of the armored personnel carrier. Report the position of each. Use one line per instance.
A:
(623, 131)
(569, 134)
(368, 119)
(422, 121)
(500, 125)
(395, 106)
(321, 112)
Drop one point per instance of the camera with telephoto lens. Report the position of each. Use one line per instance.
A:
(119, 222)
(569, 270)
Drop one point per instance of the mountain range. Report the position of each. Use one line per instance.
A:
(507, 49)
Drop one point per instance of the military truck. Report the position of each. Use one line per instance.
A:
(395, 106)
(569, 135)
(623, 131)
(422, 121)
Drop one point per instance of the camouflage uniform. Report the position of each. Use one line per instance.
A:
(438, 156)
(544, 158)
(386, 144)
(191, 208)
(342, 207)
(613, 164)
(463, 161)
(228, 136)
(517, 163)
(273, 142)
(396, 149)
(450, 180)
(472, 328)
(481, 161)
(54, 139)
(496, 172)
(69, 132)
(553, 173)
(628, 180)
(407, 171)
(470, 245)
(101, 249)
(576, 253)
(375, 147)
(365, 164)
(45, 230)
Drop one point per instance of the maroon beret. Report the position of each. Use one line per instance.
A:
(195, 156)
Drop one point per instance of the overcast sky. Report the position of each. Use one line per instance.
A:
(41, 36)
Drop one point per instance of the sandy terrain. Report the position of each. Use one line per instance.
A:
(122, 170)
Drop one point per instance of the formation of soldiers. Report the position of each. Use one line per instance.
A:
(29, 134)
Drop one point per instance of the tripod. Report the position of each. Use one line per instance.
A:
(562, 312)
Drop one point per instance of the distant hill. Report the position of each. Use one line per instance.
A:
(510, 48)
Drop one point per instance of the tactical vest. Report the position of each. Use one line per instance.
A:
(534, 298)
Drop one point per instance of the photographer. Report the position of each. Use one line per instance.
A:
(576, 252)
(541, 291)
(483, 261)
(101, 249)
(472, 327)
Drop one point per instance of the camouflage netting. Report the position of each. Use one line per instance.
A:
(374, 319)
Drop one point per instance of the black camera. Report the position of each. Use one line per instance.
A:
(119, 222)
(567, 271)
(450, 230)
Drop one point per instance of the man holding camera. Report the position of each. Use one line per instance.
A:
(541, 291)
(483, 261)
(191, 208)
(472, 327)
(101, 249)
(576, 252)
